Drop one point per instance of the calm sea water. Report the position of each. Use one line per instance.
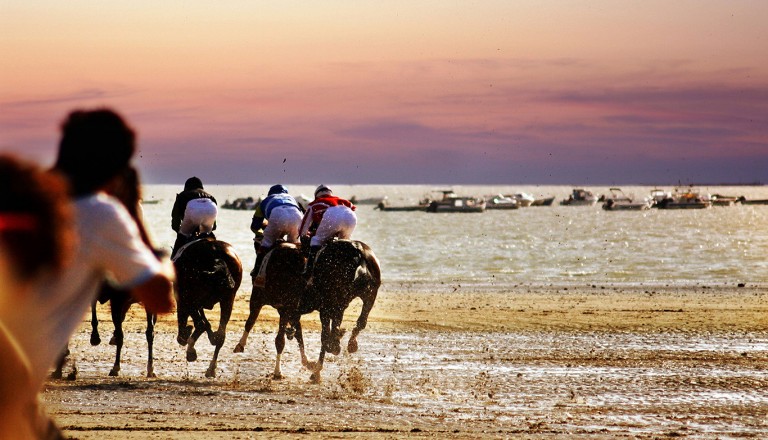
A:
(560, 245)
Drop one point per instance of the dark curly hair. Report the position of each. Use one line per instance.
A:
(36, 217)
(96, 145)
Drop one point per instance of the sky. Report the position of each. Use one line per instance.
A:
(419, 92)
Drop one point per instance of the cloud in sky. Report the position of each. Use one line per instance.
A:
(520, 92)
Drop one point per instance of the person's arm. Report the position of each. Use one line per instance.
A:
(177, 213)
(257, 222)
(15, 371)
(306, 222)
(131, 262)
(155, 293)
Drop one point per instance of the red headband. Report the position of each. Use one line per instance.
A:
(10, 221)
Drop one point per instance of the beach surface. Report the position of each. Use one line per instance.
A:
(537, 362)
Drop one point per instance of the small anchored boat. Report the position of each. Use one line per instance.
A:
(454, 203)
(580, 197)
(618, 201)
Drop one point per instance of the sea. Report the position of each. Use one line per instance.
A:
(547, 245)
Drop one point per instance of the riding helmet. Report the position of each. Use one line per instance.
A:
(322, 190)
(193, 183)
(277, 189)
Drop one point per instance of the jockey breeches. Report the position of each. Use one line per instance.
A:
(283, 220)
(338, 221)
(199, 216)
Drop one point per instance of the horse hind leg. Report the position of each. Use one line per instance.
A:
(279, 346)
(252, 317)
(300, 341)
(95, 338)
(362, 322)
(150, 333)
(196, 333)
(58, 371)
(325, 335)
(211, 371)
(220, 335)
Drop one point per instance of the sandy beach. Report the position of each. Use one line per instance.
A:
(538, 362)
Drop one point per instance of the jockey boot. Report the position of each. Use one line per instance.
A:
(181, 240)
(259, 281)
(310, 261)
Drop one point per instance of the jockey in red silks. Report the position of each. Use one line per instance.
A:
(327, 217)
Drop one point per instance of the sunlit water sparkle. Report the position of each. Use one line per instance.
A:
(536, 245)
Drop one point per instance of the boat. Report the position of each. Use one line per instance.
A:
(618, 201)
(501, 202)
(580, 197)
(242, 203)
(454, 203)
(546, 201)
(686, 199)
(523, 199)
(365, 201)
(384, 205)
(721, 200)
(744, 201)
(658, 195)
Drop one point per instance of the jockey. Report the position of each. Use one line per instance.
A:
(193, 211)
(327, 217)
(283, 215)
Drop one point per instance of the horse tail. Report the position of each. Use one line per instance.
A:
(367, 264)
(220, 275)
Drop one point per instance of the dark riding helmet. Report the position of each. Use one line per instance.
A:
(277, 189)
(322, 190)
(193, 183)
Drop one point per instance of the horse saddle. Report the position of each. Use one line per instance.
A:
(262, 275)
(193, 239)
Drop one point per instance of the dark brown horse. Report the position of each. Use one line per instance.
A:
(208, 272)
(344, 270)
(282, 290)
(120, 301)
(127, 189)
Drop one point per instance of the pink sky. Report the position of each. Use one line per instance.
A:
(504, 92)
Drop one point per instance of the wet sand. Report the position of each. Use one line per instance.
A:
(526, 362)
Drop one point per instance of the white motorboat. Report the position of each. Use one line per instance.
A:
(580, 197)
(618, 201)
(454, 203)
(501, 202)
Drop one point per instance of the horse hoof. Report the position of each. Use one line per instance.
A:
(151, 375)
(56, 375)
(277, 376)
(113, 372)
(95, 340)
(352, 346)
(181, 340)
(239, 348)
(72, 375)
(191, 356)
(315, 378)
(210, 373)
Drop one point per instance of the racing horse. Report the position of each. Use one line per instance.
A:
(208, 271)
(344, 270)
(127, 189)
(120, 301)
(283, 291)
